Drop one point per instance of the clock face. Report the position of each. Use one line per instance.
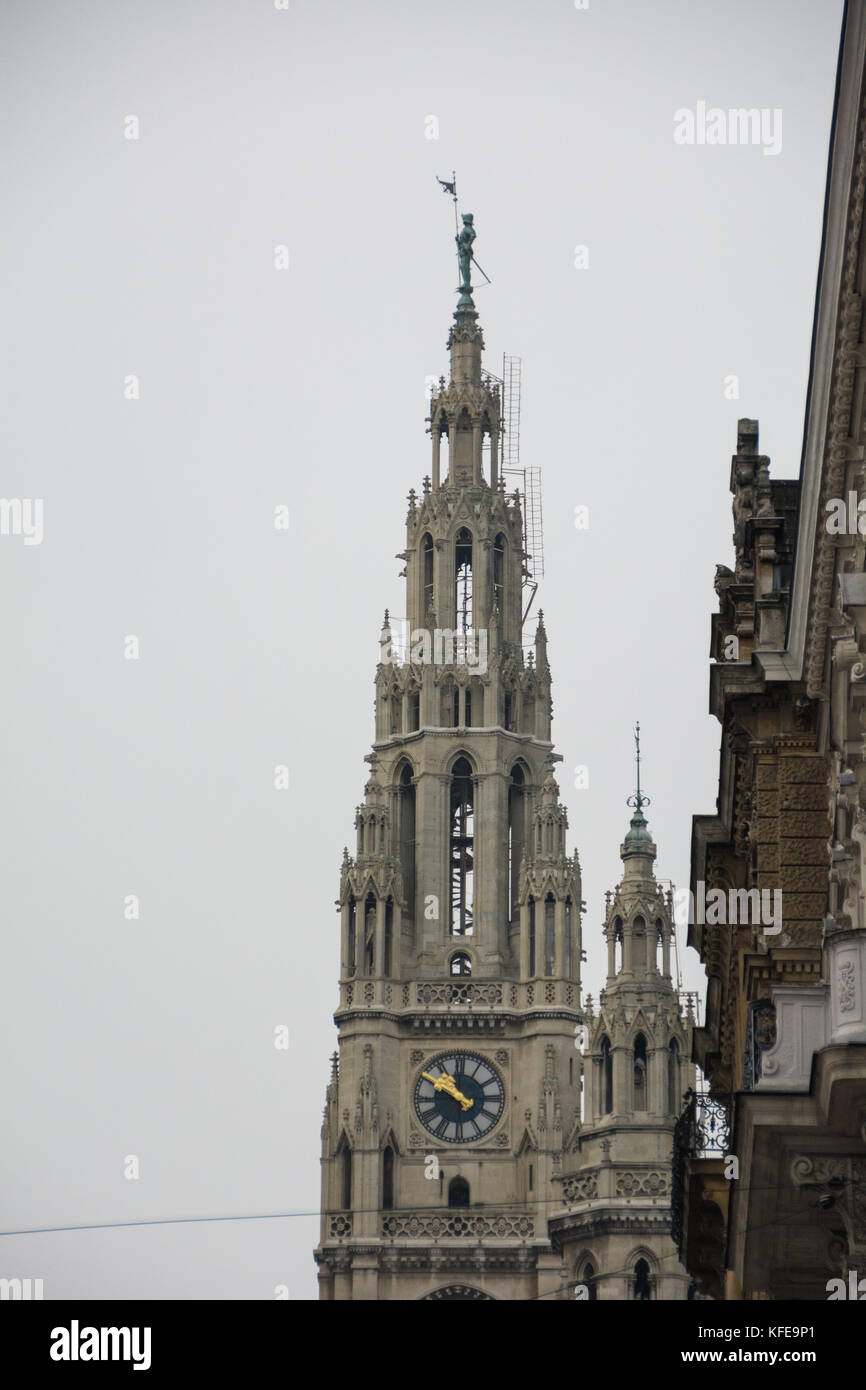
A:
(458, 1097)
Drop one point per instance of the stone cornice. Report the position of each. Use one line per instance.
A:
(838, 311)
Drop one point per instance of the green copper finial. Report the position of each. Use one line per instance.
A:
(638, 801)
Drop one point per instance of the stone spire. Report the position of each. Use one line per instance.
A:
(638, 851)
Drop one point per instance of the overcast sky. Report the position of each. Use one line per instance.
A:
(154, 258)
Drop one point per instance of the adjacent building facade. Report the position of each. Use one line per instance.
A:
(784, 1044)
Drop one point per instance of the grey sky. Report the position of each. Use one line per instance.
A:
(257, 387)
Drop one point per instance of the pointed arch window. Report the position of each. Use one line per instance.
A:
(407, 837)
(516, 834)
(508, 711)
(499, 571)
(642, 1286)
(462, 848)
(549, 934)
(531, 937)
(396, 712)
(351, 941)
(463, 580)
(588, 1279)
(414, 710)
(426, 576)
(458, 1193)
(567, 942)
(606, 1077)
(369, 934)
(450, 697)
(388, 943)
(388, 1178)
(640, 1086)
(673, 1077)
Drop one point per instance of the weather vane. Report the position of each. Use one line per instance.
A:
(638, 801)
(464, 237)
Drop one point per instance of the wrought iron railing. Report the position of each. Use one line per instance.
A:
(702, 1131)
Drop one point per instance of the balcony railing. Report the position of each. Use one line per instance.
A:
(452, 1224)
(702, 1131)
(457, 995)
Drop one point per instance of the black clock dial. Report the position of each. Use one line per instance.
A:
(458, 1097)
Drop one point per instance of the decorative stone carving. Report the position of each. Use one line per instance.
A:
(636, 1184)
(580, 1188)
(455, 1225)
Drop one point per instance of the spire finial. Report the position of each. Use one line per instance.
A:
(638, 801)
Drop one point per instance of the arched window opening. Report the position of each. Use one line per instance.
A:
(450, 705)
(571, 1071)
(427, 576)
(463, 580)
(396, 712)
(468, 719)
(659, 937)
(642, 1287)
(461, 964)
(531, 937)
(617, 950)
(458, 1193)
(407, 838)
(567, 943)
(388, 1179)
(516, 833)
(638, 944)
(640, 1072)
(347, 1177)
(606, 1078)
(350, 944)
(414, 711)
(389, 936)
(531, 1177)
(588, 1280)
(673, 1077)
(462, 848)
(369, 934)
(549, 935)
(499, 572)
(508, 711)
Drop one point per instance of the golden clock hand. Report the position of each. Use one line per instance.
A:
(447, 1083)
(450, 1085)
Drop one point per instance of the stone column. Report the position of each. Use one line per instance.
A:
(666, 952)
(524, 941)
(611, 954)
(621, 1079)
(627, 948)
(436, 453)
(379, 959)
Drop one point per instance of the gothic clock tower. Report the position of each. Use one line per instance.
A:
(455, 1090)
